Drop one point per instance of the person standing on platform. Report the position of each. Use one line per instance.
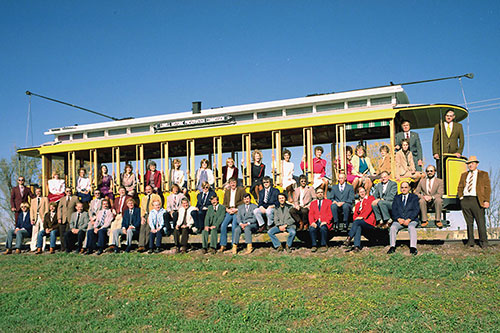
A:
(414, 141)
(18, 195)
(39, 207)
(474, 191)
(450, 136)
(67, 206)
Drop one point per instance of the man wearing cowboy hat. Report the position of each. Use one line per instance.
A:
(474, 191)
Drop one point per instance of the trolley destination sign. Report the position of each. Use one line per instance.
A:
(197, 122)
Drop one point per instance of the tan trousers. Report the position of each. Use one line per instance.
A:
(37, 227)
(116, 224)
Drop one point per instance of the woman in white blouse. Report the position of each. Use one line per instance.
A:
(287, 170)
(83, 186)
(204, 174)
(177, 176)
(56, 188)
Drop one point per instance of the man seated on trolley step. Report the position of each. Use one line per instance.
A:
(268, 200)
(50, 226)
(131, 224)
(364, 220)
(98, 231)
(384, 194)
(213, 219)
(320, 220)
(246, 222)
(156, 222)
(302, 198)
(342, 197)
(77, 227)
(146, 207)
(233, 198)
(283, 222)
(405, 211)
(430, 191)
(183, 226)
(202, 204)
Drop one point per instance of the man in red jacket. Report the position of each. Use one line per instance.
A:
(320, 219)
(364, 219)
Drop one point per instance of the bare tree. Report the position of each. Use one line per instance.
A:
(10, 169)
(493, 213)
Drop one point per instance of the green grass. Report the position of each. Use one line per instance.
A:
(265, 292)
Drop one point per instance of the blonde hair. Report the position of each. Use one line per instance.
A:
(230, 159)
(255, 152)
(25, 205)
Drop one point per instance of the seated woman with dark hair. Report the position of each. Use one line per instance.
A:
(287, 170)
(83, 186)
(364, 219)
(405, 165)
(318, 169)
(129, 181)
(362, 167)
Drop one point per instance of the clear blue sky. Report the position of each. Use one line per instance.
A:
(138, 58)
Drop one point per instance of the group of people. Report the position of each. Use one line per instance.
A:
(86, 224)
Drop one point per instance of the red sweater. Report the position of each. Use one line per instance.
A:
(364, 209)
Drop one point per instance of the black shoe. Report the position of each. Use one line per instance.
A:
(100, 252)
(116, 249)
(323, 249)
(470, 244)
(392, 249)
(204, 251)
(347, 242)
(157, 250)
(314, 249)
(150, 251)
(76, 251)
(261, 229)
(127, 249)
(354, 249)
(413, 251)
(89, 252)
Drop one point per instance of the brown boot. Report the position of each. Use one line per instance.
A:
(52, 250)
(234, 250)
(18, 251)
(306, 227)
(8, 251)
(141, 249)
(38, 250)
(222, 249)
(248, 250)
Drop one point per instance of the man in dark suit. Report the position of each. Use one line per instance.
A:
(430, 190)
(268, 200)
(246, 223)
(202, 204)
(320, 219)
(474, 191)
(18, 195)
(384, 196)
(448, 138)
(415, 145)
(405, 210)
(78, 224)
(342, 197)
(131, 225)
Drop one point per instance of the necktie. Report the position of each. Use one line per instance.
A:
(470, 178)
(147, 204)
(38, 205)
(121, 205)
(102, 219)
(204, 199)
(404, 200)
(185, 216)
(448, 130)
(319, 204)
(266, 196)
(407, 135)
(246, 207)
(77, 220)
(131, 212)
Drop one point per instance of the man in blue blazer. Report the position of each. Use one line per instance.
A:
(414, 141)
(405, 211)
(131, 224)
(384, 196)
(268, 199)
(22, 229)
(342, 197)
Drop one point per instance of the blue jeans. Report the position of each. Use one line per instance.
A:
(19, 238)
(155, 235)
(276, 230)
(53, 236)
(223, 227)
(101, 238)
(313, 232)
(358, 226)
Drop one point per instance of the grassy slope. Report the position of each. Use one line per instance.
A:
(443, 289)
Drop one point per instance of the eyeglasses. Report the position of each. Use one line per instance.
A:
(429, 170)
(21, 180)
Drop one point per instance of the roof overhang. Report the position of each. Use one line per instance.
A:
(426, 116)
